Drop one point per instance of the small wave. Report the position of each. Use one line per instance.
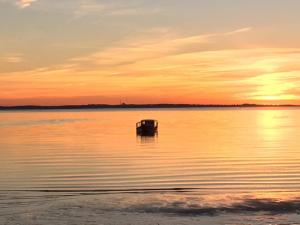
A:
(106, 191)
(246, 206)
(173, 201)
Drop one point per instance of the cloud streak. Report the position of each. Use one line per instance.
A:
(25, 3)
(134, 50)
(92, 7)
(79, 8)
(12, 58)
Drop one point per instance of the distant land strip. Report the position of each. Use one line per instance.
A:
(136, 106)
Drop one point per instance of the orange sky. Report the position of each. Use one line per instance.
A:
(85, 52)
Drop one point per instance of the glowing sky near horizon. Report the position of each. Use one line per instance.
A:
(142, 51)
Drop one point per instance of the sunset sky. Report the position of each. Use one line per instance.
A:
(55, 52)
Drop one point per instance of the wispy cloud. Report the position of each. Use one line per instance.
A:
(25, 3)
(241, 30)
(12, 58)
(147, 47)
(130, 8)
(19, 3)
(89, 7)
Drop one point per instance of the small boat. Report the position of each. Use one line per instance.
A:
(147, 127)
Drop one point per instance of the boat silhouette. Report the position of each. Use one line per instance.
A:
(147, 127)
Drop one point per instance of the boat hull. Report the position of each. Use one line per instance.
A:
(146, 131)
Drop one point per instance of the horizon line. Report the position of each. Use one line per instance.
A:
(124, 105)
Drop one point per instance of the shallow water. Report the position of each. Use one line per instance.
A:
(251, 156)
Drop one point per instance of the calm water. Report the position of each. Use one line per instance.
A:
(211, 150)
(203, 162)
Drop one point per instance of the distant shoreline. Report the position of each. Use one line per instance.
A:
(137, 106)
